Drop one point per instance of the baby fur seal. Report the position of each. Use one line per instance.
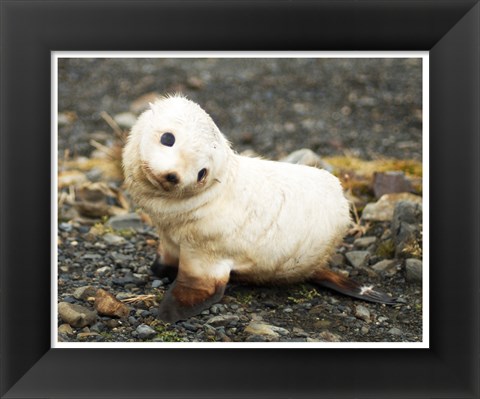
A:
(220, 214)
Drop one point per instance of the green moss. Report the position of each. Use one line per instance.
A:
(386, 249)
(167, 335)
(304, 294)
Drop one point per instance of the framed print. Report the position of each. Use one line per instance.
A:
(356, 82)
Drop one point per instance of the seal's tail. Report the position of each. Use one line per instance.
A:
(347, 286)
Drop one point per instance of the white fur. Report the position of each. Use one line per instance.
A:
(267, 221)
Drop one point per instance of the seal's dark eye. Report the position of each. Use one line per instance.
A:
(167, 139)
(201, 175)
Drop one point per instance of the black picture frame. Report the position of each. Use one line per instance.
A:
(30, 30)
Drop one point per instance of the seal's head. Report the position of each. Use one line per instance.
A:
(175, 148)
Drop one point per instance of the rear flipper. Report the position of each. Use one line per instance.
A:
(347, 286)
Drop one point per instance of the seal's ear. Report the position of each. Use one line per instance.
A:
(193, 291)
(151, 105)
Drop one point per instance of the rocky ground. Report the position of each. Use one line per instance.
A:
(362, 116)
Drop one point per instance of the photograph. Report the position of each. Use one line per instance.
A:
(245, 199)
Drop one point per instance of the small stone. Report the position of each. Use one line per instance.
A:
(384, 265)
(84, 292)
(364, 330)
(90, 256)
(222, 320)
(382, 210)
(157, 283)
(262, 329)
(365, 242)
(124, 222)
(413, 269)
(322, 324)
(304, 156)
(288, 310)
(337, 260)
(107, 305)
(125, 119)
(145, 332)
(113, 239)
(86, 334)
(390, 182)
(358, 258)
(395, 331)
(362, 313)
(65, 329)
(65, 227)
(76, 315)
(327, 336)
(102, 271)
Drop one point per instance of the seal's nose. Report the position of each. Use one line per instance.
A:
(172, 178)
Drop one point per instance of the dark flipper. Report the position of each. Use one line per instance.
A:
(162, 271)
(347, 286)
(181, 301)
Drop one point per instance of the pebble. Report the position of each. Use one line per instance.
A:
(222, 320)
(358, 258)
(76, 315)
(365, 242)
(384, 265)
(102, 271)
(113, 239)
(382, 210)
(327, 336)
(124, 222)
(65, 329)
(362, 313)
(145, 332)
(84, 292)
(413, 269)
(65, 227)
(107, 305)
(288, 310)
(395, 331)
(262, 329)
(157, 283)
(337, 260)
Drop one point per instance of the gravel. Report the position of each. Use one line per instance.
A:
(369, 108)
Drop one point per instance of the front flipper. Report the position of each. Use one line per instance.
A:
(197, 287)
(162, 270)
(182, 301)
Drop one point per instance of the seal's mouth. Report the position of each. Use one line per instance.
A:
(166, 185)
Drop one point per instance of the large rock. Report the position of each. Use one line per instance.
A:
(413, 268)
(390, 182)
(406, 229)
(76, 315)
(383, 209)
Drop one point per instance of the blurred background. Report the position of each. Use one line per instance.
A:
(366, 108)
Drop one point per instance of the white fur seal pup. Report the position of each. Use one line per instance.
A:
(220, 214)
